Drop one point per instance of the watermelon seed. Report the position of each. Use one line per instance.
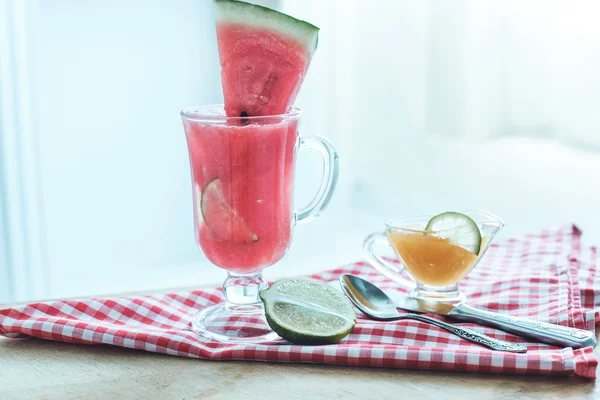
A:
(244, 121)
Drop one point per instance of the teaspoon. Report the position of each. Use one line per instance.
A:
(376, 304)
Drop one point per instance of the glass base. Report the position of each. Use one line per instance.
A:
(450, 294)
(235, 324)
(241, 318)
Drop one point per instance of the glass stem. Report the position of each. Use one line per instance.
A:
(451, 290)
(241, 291)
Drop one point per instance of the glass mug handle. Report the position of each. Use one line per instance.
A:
(328, 181)
(391, 270)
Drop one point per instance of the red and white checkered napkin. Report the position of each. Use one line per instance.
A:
(538, 276)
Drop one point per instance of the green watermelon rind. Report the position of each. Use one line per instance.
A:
(239, 12)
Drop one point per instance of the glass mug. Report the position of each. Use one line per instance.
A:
(243, 177)
(433, 265)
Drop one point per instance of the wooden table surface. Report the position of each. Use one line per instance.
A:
(40, 369)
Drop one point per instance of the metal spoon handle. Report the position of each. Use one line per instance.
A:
(542, 331)
(472, 336)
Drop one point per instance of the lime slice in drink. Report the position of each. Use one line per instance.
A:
(459, 228)
(222, 220)
(305, 311)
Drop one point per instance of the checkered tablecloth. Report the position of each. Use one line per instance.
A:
(548, 276)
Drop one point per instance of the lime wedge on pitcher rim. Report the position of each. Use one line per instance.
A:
(306, 311)
(459, 228)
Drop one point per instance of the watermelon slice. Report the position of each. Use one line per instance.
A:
(220, 218)
(264, 57)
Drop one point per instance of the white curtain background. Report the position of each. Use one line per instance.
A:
(439, 105)
(467, 69)
(433, 105)
(94, 175)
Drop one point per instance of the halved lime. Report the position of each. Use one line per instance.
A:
(218, 214)
(459, 228)
(305, 311)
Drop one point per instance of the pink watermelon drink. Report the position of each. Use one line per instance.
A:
(264, 57)
(242, 172)
(242, 159)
